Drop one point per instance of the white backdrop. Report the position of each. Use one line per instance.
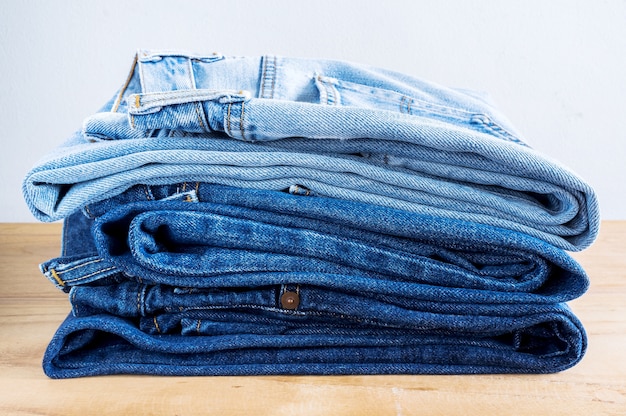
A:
(556, 68)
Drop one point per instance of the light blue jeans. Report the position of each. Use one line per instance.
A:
(339, 129)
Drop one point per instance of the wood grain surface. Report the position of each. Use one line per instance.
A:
(31, 309)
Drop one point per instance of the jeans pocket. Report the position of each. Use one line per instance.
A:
(334, 91)
(339, 92)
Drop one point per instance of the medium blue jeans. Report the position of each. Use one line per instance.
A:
(200, 278)
(341, 130)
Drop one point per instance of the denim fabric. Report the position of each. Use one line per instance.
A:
(269, 215)
(106, 344)
(137, 232)
(341, 130)
(190, 279)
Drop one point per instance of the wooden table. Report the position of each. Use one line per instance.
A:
(31, 309)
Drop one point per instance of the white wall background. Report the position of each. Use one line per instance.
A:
(556, 68)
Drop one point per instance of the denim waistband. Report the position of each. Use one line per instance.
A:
(313, 302)
(271, 122)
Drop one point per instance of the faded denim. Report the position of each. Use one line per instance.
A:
(269, 215)
(341, 130)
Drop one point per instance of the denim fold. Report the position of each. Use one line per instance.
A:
(213, 262)
(108, 344)
(341, 130)
(265, 215)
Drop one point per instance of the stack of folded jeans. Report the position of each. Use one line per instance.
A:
(269, 215)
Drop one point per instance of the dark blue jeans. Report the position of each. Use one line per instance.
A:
(204, 279)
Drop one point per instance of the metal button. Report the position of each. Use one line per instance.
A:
(290, 300)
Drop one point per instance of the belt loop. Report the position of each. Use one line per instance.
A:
(268, 77)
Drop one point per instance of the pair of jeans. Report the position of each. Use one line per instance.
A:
(195, 279)
(342, 130)
(288, 216)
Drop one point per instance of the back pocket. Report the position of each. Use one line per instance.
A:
(334, 91)
(339, 92)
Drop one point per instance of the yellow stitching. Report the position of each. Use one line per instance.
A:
(132, 121)
(184, 186)
(197, 189)
(145, 191)
(228, 119)
(78, 279)
(243, 137)
(200, 116)
(57, 278)
(156, 324)
(137, 101)
(80, 265)
(126, 84)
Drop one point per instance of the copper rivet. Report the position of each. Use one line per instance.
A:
(290, 300)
